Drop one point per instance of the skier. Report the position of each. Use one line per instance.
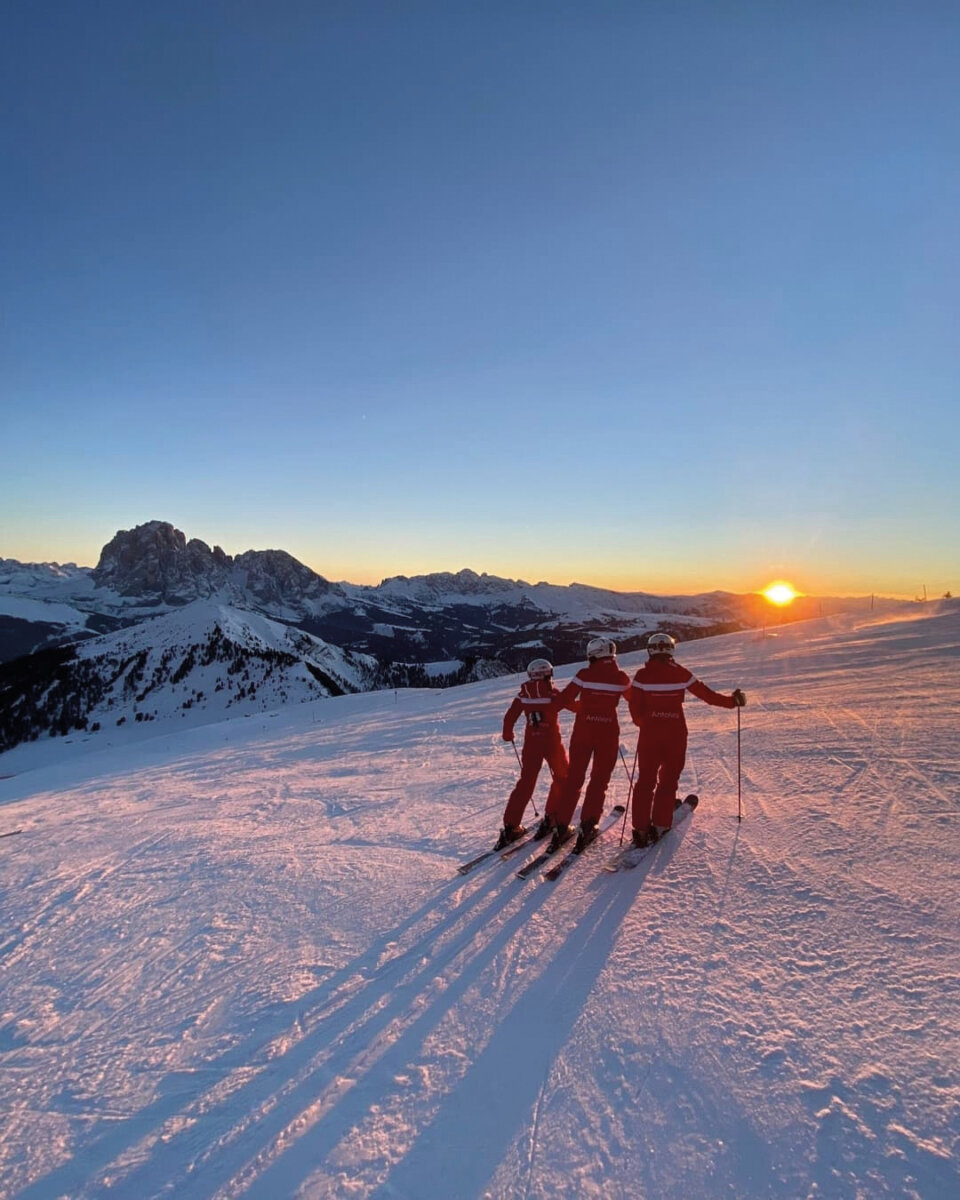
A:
(541, 742)
(656, 700)
(599, 688)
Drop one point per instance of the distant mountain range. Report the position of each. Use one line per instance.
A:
(163, 626)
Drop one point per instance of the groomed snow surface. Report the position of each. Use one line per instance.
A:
(239, 961)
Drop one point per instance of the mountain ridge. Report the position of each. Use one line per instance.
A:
(154, 567)
(76, 643)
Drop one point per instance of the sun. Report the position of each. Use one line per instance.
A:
(780, 592)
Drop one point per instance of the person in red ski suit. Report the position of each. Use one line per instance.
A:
(655, 698)
(598, 687)
(542, 742)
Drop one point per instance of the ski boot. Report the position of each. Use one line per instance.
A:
(585, 834)
(508, 834)
(561, 834)
(641, 838)
(545, 827)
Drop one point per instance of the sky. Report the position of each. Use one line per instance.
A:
(644, 295)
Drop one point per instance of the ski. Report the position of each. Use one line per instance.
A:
(629, 857)
(574, 855)
(529, 868)
(520, 844)
(467, 867)
(542, 857)
(502, 851)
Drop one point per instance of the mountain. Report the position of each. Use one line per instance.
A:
(238, 960)
(154, 564)
(432, 618)
(199, 664)
(154, 568)
(76, 625)
(144, 571)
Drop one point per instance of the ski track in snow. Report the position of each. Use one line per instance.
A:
(239, 962)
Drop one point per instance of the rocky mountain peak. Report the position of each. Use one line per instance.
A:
(446, 583)
(155, 563)
(276, 577)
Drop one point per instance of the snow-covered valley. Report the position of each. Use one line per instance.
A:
(237, 959)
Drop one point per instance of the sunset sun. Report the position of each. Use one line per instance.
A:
(780, 592)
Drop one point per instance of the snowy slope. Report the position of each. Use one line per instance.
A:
(238, 961)
(194, 665)
(59, 590)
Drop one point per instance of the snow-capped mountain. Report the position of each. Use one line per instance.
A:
(145, 571)
(152, 630)
(154, 564)
(199, 664)
(439, 617)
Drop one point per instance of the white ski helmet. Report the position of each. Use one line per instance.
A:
(661, 643)
(601, 647)
(539, 669)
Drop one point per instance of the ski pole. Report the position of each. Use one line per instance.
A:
(626, 807)
(739, 801)
(625, 771)
(520, 765)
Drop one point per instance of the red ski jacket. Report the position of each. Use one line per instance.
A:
(599, 686)
(659, 689)
(536, 701)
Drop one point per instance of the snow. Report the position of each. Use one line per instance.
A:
(237, 960)
(439, 669)
(25, 609)
(576, 602)
(63, 583)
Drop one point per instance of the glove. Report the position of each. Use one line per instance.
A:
(740, 698)
(508, 737)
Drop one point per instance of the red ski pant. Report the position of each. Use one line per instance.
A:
(538, 747)
(599, 741)
(661, 753)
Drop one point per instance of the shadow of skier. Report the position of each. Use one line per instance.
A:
(456, 1155)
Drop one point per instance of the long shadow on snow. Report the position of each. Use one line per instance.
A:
(462, 1147)
(478, 945)
(552, 1005)
(310, 1012)
(459, 1152)
(214, 1146)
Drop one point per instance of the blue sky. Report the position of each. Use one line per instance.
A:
(647, 295)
